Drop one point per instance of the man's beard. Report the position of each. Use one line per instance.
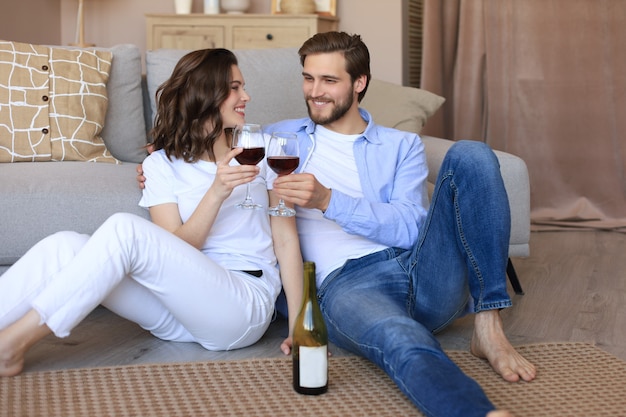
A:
(340, 109)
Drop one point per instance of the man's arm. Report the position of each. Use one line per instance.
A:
(141, 179)
(395, 202)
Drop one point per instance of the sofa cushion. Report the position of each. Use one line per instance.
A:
(411, 106)
(41, 198)
(54, 101)
(270, 102)
(159, 66)
(124, 128)
(21, 134)
(124, 131)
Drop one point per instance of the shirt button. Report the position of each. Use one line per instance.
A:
(45, 67)
(44, 98)
(45, 131)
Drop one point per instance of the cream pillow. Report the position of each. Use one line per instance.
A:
(400, 107)
(53, 103)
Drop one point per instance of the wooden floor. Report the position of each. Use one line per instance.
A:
(575, 290)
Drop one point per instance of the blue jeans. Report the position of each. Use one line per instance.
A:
(387, 305)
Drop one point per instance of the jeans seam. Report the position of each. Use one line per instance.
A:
(466, 247)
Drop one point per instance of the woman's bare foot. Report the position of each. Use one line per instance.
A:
(15, 341)
(489, 342)
(11, 361)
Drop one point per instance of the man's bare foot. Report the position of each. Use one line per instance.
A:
(15, 341)
(489, 342)
(499, 413)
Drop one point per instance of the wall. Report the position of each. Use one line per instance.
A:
(111, 22)
(380, 25)
(19, 23)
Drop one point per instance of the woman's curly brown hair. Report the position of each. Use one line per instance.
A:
(189, 102)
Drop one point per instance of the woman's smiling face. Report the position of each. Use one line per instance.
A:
(233, 110)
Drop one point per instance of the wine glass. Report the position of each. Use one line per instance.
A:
(250, 138)
(283, 158)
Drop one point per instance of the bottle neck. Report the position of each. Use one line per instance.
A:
(309, 281)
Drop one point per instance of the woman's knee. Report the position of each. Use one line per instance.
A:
(123, 224)
(64, 242)
(123, 219)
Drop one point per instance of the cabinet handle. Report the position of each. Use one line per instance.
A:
(269, 37)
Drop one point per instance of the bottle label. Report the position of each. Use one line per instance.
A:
(313, 366)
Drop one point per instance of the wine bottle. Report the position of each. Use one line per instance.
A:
(310, 341)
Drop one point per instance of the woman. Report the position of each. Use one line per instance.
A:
(202, 271)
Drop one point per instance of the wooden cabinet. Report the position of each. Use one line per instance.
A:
(244, 31)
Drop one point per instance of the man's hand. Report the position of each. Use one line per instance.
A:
(303, 190)
(140, 178)
(286, 345)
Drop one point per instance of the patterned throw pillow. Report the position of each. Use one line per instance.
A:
(53, 103)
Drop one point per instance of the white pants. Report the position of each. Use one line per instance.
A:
(143, 273)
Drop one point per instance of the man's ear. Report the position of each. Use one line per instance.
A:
(360, 83)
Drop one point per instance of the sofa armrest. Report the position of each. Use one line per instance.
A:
(516, 181)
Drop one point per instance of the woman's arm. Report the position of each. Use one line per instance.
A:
(287, 249)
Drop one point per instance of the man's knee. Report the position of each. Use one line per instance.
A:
(472, 156)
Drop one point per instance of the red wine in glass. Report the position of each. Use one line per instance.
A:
(251, 156)
(283, 157)
(250, 138)
(283, 165)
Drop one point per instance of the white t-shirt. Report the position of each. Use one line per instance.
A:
(323, 241)
(239, 239)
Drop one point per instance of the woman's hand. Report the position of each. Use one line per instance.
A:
(228, 177)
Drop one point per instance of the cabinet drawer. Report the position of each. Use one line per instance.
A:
(269, 37)
(188, 37)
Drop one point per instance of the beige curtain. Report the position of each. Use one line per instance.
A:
(544, 80)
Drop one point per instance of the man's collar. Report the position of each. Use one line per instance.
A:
(370, 132)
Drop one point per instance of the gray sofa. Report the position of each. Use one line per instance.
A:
(40, 198)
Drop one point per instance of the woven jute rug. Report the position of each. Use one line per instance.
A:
(573, 380)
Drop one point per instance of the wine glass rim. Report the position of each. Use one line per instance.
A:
(239, 127)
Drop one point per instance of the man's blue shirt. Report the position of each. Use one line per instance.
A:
(392, 171)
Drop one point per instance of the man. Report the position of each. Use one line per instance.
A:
(391, 270)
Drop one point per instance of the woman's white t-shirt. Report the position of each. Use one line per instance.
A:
(239, 239)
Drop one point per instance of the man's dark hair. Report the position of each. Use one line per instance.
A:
(351, 46)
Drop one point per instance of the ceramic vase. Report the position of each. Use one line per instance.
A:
(182, 6)
(211, 6)
(235, 6)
